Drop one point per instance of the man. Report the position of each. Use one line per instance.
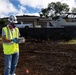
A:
(10, 35)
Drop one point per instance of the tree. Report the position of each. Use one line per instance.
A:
(55, 8)
(2, 23)
(45, 12)
(73, 10)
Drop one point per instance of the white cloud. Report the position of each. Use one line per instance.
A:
(35, 3)
(37, 14)
(33, 14)
(6, 7)
(43, 3)
(71, 3)
(22, 10)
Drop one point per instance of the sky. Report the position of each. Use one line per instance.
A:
(27, 7)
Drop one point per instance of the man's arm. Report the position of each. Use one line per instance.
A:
(4, 39)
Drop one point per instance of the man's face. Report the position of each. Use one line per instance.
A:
(11, 25)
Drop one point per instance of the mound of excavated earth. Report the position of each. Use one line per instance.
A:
(44, 58)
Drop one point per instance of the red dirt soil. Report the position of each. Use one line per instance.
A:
(44, 58)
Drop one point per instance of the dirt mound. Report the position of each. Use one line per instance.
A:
(44, 58)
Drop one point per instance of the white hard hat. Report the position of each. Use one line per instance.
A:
(12, 19)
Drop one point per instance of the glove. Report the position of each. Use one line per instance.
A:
(15, 40)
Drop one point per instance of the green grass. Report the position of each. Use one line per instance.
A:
(73, 41)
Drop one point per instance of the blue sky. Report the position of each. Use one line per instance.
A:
(27, 7)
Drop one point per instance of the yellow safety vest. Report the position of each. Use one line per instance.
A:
(10, 48)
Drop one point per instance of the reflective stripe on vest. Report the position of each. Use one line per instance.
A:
(10, 48)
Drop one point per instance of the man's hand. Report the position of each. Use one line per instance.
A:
(15, 40)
